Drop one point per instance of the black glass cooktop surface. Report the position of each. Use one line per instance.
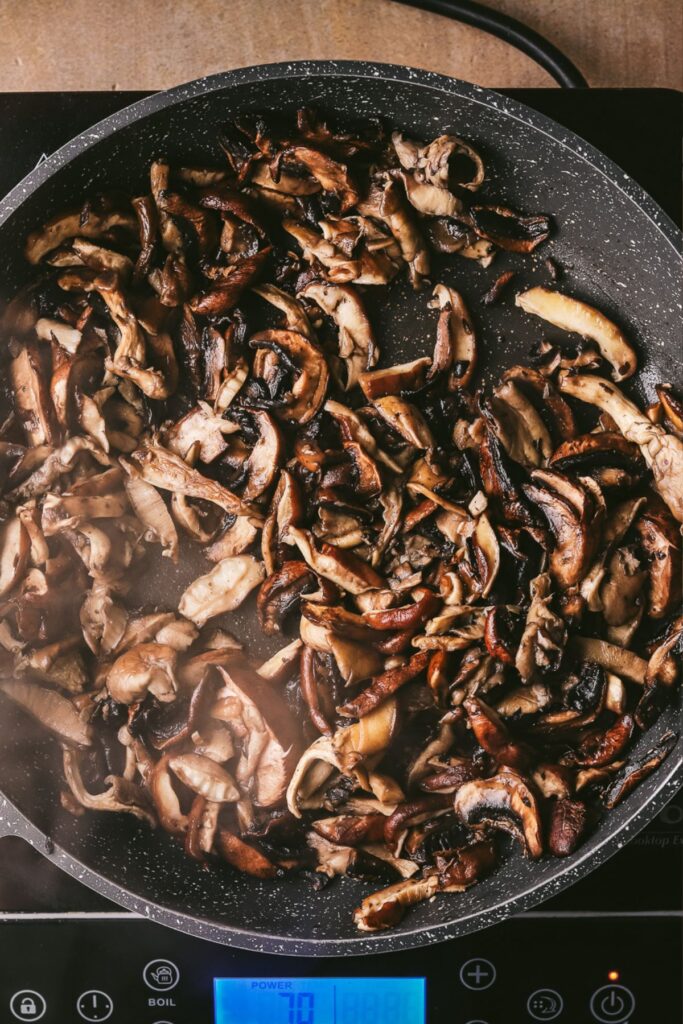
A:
(607, 949)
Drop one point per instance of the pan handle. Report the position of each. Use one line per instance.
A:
(511, 31)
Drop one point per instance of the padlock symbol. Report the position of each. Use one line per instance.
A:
(28, 1007)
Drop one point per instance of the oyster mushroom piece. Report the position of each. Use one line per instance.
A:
(662, 452)
(54, 711)
(573, 315)
(383, 686)
(163, 468)
(150, 508)
(204, 777)
(520, 427)
(145, 668)
(504, 801)
(357, 345)
(264, 461)
(122, 796)
(493, 735)
(615, 659)
(295, 314)
(394, 380)
(269, 726)
(545, 633)
(202, 427)
(429, 199)
(367, 737)
(447, 159)
(385, 909)
(508, 229)
(312, 375)
(89, 223)
(244, 857)
(222, 589)
(332, 175)
(455, 352)
(281, 593)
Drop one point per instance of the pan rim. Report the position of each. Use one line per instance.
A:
(13, 822)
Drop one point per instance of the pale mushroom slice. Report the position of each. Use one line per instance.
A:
(205, 777)
(357, 345)
(662, 452)
(151, 510)
(54, 711)
(221, 590)
(145, 668)
(571, 314)
(95, 224)
(163, 468)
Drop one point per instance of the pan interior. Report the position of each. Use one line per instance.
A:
(612, 253)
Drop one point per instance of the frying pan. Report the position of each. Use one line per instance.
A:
(618, 249)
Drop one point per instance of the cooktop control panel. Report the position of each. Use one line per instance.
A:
(573, 969)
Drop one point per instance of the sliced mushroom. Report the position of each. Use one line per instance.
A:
(269, 727)
(573, 315)
(636, 769)
(568, 824)
(164, 469)
(662, 452)
(383, 686)
(312, 375)
(661, 542)
(244, 857)
(122, 796)
(509, 229)
(505, 802)
(54, 711)
(456, 348)
(150, 509)
(386, 908)
(15, 548)
(221, 590)
(205, 777)
(607, 457)
(357, 345)
(574, 519)
(341, 567)
(88, 222)
(32, 400)
(545, 633)
(146, 668)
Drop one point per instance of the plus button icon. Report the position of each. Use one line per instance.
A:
(477, 974)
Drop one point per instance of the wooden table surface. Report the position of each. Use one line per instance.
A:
(147, 44)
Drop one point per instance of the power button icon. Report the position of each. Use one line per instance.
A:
(613, 1004)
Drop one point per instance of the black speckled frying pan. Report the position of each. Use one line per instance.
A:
(618, 249)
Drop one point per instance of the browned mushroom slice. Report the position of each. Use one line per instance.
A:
(342, 567)
(32, 401)
(493, 735)
(230, 281)
(519, 426)
(547, 400)
(498, 475)
(394, 380)
(384, 685)
(455, 352)
(88, 222)
(662, 452)
(148, 667)
(351, 829)
(332, 175)
(463, 867)
(163, 468)
(660, 539)
(406, 419)
(636, 769)
(502, 633)
(312, 375)
(54, 711)
(429, 199)
(599, 747)
(386, 908)
(607, 457)
(573, 315)
(568, 826)
(620, 592)
(295, 314)
(244, 857)
(671, 406)
(508, 229)
(269, 728)
(221, 590)
(574, 520)
(505, 802)
(357, 345)
(281, 593)
(388, 205)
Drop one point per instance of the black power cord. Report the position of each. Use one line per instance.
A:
(511, 31)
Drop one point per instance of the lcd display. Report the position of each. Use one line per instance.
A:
(320, 1000)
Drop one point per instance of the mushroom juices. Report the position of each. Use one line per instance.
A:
(468, 592)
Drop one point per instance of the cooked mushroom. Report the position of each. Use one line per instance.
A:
(545, 634)
(568, 823)
(308, 390)
(661, 541)
(386, 908)
(51, 709)
(221, 590)
(456, 348)
(505, 802)
(573, 315)
(357, 345)
(146, 668)
(205, 777)
(164, 469)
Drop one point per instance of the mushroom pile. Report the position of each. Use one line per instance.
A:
(475, 590)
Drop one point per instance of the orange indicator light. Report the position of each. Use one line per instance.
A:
(613, 975)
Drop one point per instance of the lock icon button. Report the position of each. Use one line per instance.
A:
(27, 1005)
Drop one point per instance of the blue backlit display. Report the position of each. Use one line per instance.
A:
(320, 1000)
